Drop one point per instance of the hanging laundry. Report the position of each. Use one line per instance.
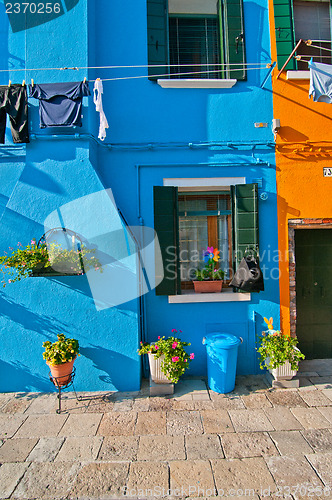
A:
(97, 99)
(320, 82)
(14, 102)
(60, 104)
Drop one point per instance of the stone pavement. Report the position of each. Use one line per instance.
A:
(255, 442)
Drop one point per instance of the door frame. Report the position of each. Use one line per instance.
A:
(294, 224)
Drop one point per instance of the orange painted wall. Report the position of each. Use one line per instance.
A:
(304, 147)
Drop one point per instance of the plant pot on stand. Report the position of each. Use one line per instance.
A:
(157, 376)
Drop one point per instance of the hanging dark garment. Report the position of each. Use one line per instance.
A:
(248, 276)
(14, 103)
(60, 104)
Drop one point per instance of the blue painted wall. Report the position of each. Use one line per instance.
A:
(149, 137)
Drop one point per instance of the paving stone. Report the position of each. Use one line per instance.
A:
(216, 421)
(193, 478)
(41, 426)
(5, 397)
(203, 405)
(99, 481)
(256, 400)
(153, 422)
(17, 450)
(282, 419)
(184, 422)
(327, 393)
(250, 421)
(46, 449)
(81, 425)
(290, 442)
(326, 412)
(320, 440)
(146, 479)
(16, 405)
(119, 448)
(10, 475)
(248, 444)
(286, 398)
(160, 404)
(118, 424)
(203, 447)
(316, 398)
(73, 405)
(242, 477)
(79, 449)
(229, 403)
(42, 403)
(254, 383)
(322, 465)
(47, 481)
(141, 404)
(193, 387)
(305, 384)
(292, 472)
(161, 448)
(9, 424)
(322, 382)
(101, 404)
(124, 405)
(310, 418)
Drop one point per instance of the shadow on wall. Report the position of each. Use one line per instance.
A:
(19, 378)
(115, 367)
(21, 315)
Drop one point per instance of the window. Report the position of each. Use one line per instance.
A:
(204, 220)
(196, 39)
(306, 20)
(187, 222)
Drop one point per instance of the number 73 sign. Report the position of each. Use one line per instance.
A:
(327, 171)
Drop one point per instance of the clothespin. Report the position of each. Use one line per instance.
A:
(9, 84)
(98, 79)
(84, 79)
(32, 82)
(23, 83)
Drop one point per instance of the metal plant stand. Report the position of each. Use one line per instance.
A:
(57, 382)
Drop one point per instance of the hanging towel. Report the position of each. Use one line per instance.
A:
(60, 104)
(320, 82)
(97, 99)
(14, 103)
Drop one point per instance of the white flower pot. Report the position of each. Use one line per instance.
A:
(157, 375)
(282, 372)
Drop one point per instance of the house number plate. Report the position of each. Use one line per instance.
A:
(327, 172)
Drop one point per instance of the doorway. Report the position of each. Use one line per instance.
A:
(313, 278)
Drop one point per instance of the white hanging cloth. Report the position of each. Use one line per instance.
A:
(97, 99)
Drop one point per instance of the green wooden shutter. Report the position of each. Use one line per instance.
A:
(157, 22)
(285, 39)
(166, 224)
(245, 220)
(233, 22)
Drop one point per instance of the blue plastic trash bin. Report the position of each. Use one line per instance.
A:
(222, 351)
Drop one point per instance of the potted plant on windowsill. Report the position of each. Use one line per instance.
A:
(210, 278)
(46, 260)
(279, 353)
(168, 359)
(60, 357)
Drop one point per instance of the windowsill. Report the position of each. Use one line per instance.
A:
(227, 295)
(298, 75)
(196, 83)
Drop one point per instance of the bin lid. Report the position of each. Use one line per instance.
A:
(220, 340)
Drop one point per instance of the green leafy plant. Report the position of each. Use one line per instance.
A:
(176, 359)
(61, 351)
(276, 348)
(22, 262)
(210, 272)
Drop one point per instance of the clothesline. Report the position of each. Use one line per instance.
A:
(76, 68)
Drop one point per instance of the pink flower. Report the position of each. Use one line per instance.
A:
(33, 242)
(192, 355)
(175, 359)
(9, 281)
(156, 346)
(174, 345)
(173, 329)
(158, 338)
(185, 361)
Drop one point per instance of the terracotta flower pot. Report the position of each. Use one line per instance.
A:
(213, 286)
(62, 373)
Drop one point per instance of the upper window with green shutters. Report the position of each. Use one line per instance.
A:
(201, 39)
